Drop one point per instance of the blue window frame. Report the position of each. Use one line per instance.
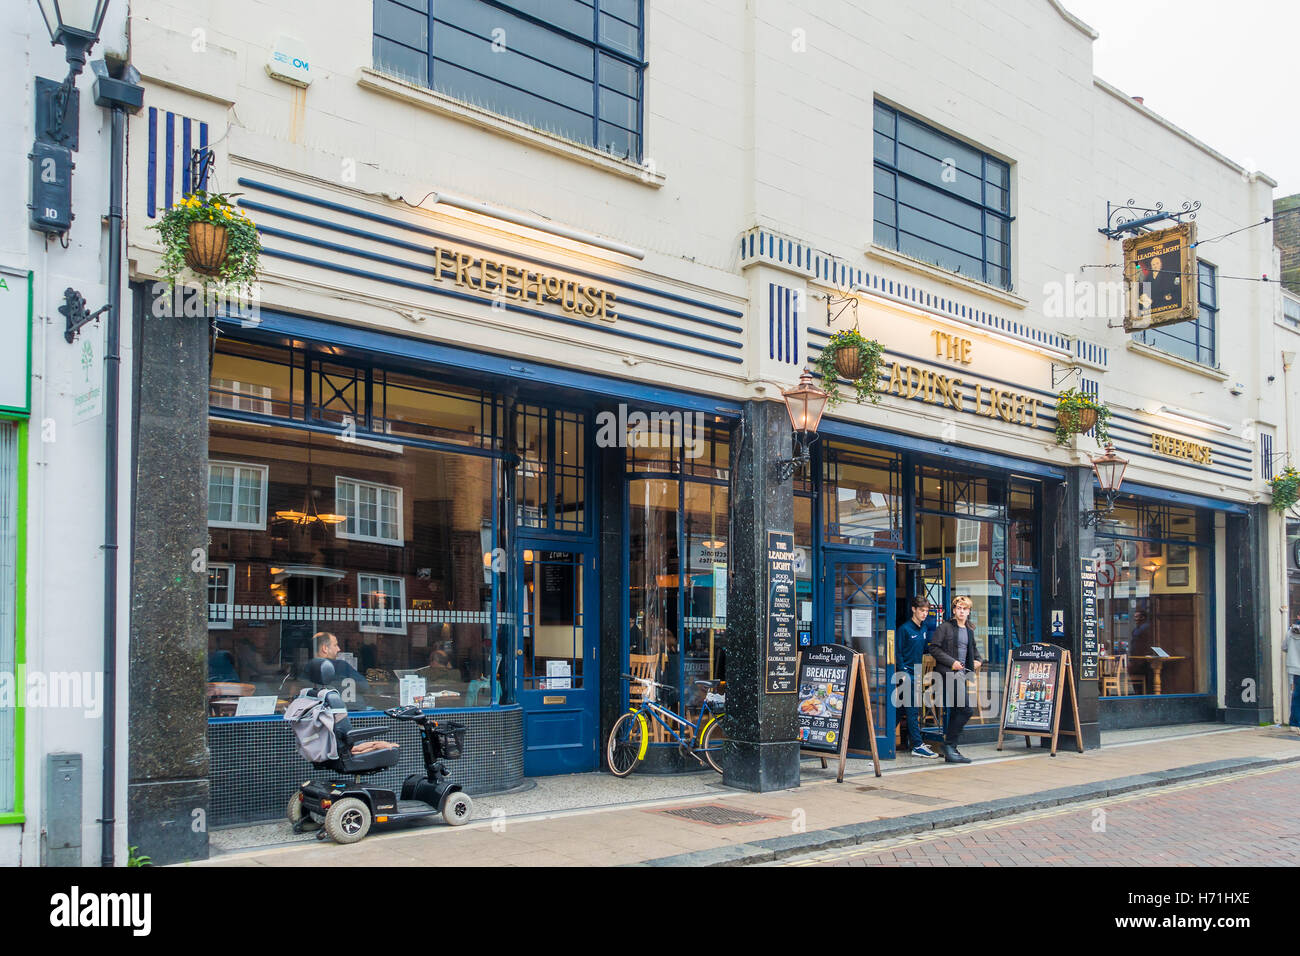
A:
(1194, 341)
(570, 67)
(941, 200)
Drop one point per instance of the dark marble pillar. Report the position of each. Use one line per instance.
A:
(1248, 667)
(1068, 543)
(167, 792)
(613, 658)
(762, 749)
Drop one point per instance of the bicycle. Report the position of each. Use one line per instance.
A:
(629, 738)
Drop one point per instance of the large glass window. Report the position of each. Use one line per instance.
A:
(941, 200)
(862, 503)
(569, 67)
(1154, 586)
(1194, 341)
(678, 550)
(551, 480)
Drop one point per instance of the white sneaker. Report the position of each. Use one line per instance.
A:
(924, 751)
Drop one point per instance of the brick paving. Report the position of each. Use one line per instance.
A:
(624, 834)
(1239, 820)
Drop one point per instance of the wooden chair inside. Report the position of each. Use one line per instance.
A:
(1112, 668)
(647, 667)
(1130, 684)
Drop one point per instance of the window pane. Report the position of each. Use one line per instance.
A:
(861, 503)
(221, 493)
(401, 61)
(402, 24)
(619, 34)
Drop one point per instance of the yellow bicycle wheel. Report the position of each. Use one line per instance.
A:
(629, 739)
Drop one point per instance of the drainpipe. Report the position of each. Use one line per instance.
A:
(119, 96)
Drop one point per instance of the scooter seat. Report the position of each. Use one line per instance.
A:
(368, 762)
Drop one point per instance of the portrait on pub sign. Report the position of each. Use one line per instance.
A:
(1160, 278)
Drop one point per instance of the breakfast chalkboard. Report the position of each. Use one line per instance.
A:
(1039, 687)
(834, 711)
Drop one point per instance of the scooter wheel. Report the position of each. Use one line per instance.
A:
(295, 810)
(457, 809)
(348, 821)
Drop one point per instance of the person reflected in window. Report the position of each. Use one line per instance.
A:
(326, 645)
(956, 654)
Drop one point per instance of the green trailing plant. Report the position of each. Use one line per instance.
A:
(1072, 407)
(134, 860)
(870, 358)
(1286, 489)
(243, 247)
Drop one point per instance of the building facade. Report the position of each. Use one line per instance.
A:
(505, 412)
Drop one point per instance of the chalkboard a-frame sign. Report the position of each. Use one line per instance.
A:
(834, 706)
(1039, 687)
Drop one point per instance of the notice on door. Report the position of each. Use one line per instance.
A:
(781, 655)
(860, 622)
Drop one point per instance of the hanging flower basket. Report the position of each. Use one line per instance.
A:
(206, 252)
(857, 359)
(848, 362)
(1078, 412)
(1286, 489)
(212, 237)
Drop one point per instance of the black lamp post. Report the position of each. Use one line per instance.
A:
(805, 404)
(74, 25)
(1109, 469)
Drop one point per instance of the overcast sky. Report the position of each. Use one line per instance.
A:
(1224, 70)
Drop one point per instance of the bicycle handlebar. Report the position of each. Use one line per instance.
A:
(646, 681)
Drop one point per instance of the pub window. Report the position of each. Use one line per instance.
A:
(372, 512)
(1194, 341)
(941, 200)
(862, 502)
(236, 495)
(221, 596)
(569, 67)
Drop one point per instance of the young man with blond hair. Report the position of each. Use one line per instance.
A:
(955, 652)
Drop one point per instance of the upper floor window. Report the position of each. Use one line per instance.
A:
(372, 512)
(941, 200)
(236, 495)
(1194, 341)
(568, 67)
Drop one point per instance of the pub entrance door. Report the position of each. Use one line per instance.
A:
(859, 596)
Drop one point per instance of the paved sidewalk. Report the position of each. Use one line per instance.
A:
(743, 827)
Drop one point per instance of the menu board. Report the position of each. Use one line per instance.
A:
(823, 687)
(1088, 651)
(781, 652)
(1033, 680)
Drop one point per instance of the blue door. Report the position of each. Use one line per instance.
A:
(557, 671)
(860, 598)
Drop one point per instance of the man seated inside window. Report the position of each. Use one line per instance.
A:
(326, 645)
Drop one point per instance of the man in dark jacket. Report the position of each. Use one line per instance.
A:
(909, 650)
(955, 653)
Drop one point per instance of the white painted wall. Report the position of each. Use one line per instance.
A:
(65, 517)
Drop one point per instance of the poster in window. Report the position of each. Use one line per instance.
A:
(1160, 278)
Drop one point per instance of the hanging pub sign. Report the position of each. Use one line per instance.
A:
(1040, 685)
(834, 705)
(781, 655)
(1160, 278)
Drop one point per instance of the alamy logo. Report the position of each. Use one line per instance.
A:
(637, 429)
(76, 909)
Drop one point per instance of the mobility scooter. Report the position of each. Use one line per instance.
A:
(346, 809)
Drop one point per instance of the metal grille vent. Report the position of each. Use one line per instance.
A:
(716, 815)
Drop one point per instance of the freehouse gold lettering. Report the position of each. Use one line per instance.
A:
(1172, 447)
(490, 277)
